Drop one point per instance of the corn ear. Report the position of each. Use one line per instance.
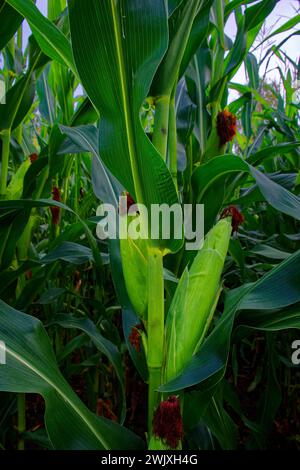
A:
(195, 300)
(135, 269)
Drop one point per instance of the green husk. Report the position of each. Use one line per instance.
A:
(195, 300)
(135, 267)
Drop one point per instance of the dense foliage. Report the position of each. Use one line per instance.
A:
(133, 97)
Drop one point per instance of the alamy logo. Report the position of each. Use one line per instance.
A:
(2, 92)
(160, 222)
(296, 354)
(2, 353)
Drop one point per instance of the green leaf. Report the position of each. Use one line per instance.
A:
(104, 345)
(252, 70)
(31, 368)
(285, 27)
(277, 196)
(268, 320)
(11, 228)
(84, 114)
(279, 288)
(234, 4)
(117, 47)
(50, 295)
(46, 98)
(55, 7)
(50, 39)
(10, 21)
(180, 28)
(248, 89)
(19, 99)
(270, 152)
(258, 13)
(13, 206)
(270, 252)
(85, 139)
(15, 187)
(200, 29)
(220, 423)
(73, 253)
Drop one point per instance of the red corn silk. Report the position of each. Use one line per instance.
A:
(55, 211)
(134, 337)
(237, 217)
(167, 422)
(226, 126)
(129, 202)
(33, 157)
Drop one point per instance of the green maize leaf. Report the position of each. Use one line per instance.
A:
(38, 437)
(31, 368)
(19, 99)
(197, 78)
(268, 320)
(117, 47)
(285, 27)
(269, 152)
(236, 105)
(252, 70)
(257, 13)
(50, 39)
(247, 32)
(11, 229)
(7, 277)
(179, 34)
(13, 208)
(84, 114)
(195, 299)
(276, 49)
(200, 29)
(277, 196)
(209, 410)
(50, 295)
(55, 7)
(73, 253)
(253, 194)
(104, 345)
(248, 89)
(173, 5)
(10, 21)
(84, 138)
(270, 252)
(46, 97)
(15, 187)
(234, 4)
(277, 289)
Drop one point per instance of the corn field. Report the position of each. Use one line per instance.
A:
(111, 109)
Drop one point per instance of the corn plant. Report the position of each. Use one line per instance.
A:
(131, 98)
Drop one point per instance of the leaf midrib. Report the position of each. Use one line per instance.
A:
(59, 391)
(125, 102)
